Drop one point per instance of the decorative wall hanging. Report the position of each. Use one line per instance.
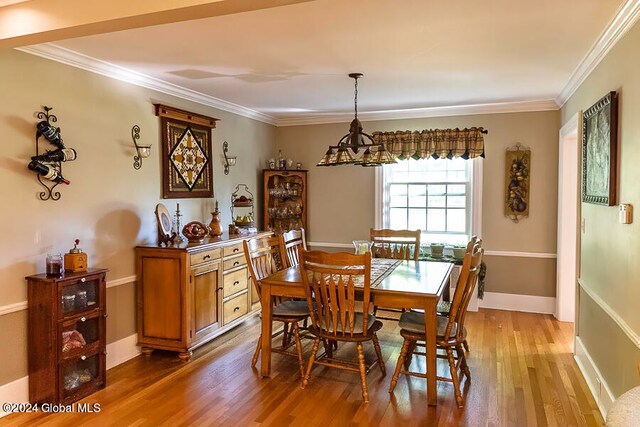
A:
(517, 179)
(600, 151)
(187, 170)
(48, 165)
(228, 159)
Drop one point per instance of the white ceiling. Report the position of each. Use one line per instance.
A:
(292, 62)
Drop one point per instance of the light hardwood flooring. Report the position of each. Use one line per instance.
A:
(522, 367)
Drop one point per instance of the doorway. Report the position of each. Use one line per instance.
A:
(568, 244)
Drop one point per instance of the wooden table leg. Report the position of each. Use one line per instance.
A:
(431, 350)
(265, 356)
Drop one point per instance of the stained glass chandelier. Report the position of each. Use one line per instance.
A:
(353, 149)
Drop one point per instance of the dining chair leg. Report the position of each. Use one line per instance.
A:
(257, 352)
(409, 355)
(363, 373)
(463, 362)
(296, 336)
(285, 335)
(312, 358)
(376, 345)
(454, 377)
(401, 358)
(328, 347)
(466, 345)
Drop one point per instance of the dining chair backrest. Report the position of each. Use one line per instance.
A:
(264, 256)
(466, 272)
(396, 244)
(330, 281)
(464, 288)
(472, 281)
(293, 241)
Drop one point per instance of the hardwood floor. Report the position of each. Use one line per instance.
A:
(522, 368)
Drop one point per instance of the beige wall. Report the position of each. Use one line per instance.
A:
(610, 266)
(109, 205)
(341, 199)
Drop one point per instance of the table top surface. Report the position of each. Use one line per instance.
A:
(414, 277)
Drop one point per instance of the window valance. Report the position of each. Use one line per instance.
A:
(436, 143)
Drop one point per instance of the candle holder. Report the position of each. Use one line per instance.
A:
(228, 160)
(142, 151)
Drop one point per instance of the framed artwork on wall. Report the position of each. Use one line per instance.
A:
(600, 151)
(187, 170)
(517, 180)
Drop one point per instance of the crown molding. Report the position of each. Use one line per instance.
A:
(418, 113)
(625, 18)
(93, 65)
(69, 57)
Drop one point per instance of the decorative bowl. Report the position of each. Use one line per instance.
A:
(195, 231)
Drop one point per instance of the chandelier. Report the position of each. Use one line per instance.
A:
(349, 147)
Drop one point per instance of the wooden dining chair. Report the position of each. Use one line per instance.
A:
(293, 242)
(394, 244)
(444, 307)
(450, 332)
(264, 257)
(332, 279)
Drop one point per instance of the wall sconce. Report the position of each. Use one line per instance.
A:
(228, 160)
(143, 151)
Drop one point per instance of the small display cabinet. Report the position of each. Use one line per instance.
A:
(285, 200)
(67, 336)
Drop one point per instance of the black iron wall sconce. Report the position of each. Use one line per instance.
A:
(142, 151)
(228, 160)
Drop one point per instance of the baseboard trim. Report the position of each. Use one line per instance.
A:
(516, 302)
(599, 389)
(23, 305)
(122, 350)
(118, 352)
(14, 392)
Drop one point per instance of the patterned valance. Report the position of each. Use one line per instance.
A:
(436, 143)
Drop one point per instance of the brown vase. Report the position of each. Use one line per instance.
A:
(215, 229)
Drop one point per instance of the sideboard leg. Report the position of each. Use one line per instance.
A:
(147, 351)
(185, 356)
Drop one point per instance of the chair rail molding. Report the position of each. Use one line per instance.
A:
(629, 332)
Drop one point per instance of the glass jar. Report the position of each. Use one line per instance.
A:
(53, 266)
(68, 302)
(81, 299)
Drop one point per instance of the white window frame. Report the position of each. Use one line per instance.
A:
(476, 197)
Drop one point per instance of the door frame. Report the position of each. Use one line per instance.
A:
(569, 219)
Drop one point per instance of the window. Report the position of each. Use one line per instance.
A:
(435, 196)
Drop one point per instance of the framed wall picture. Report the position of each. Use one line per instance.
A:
(517, 181)
(187, 170)
(600, 151)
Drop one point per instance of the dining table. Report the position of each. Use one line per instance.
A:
(396, 284)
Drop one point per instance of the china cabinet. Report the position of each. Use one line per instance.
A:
(67, 337)
(285, 200)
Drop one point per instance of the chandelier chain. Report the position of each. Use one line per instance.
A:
(355, 100)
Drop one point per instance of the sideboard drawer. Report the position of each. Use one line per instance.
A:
(232, 250)
(204, 256)
(235, 308)
(234, 282)
(235, 262)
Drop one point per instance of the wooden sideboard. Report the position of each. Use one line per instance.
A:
(188, 294)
